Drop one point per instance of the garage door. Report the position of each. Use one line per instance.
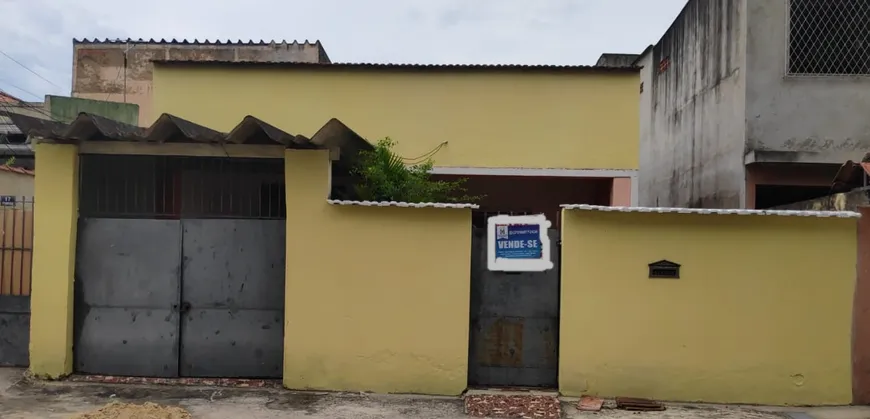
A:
(195, 289)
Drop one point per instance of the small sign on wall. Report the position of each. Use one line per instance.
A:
(7, 200)
(518, 243)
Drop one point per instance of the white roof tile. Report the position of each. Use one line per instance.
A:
(662, 210)
(401, 204)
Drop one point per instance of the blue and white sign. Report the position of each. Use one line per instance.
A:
(7, 200)
(518, 243)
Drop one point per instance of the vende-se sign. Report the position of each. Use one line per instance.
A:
(518, 243)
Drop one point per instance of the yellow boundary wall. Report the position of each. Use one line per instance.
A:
(377, 297)
(762, 311)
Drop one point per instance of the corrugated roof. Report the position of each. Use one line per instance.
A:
(18, 170)
(170, 128)
(174, 41)
(662, 210)
(20, 124)
(404, 66)
(401, 204)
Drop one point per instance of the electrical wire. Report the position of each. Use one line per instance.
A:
(28, 69)
(20, 88)
(426, 155)
(36, 109)
(117, 77)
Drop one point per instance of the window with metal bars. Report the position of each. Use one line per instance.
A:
(828, 37)
(170, 187)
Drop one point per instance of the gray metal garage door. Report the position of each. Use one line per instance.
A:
(186, 279)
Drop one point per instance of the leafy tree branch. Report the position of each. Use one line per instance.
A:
(384, 176)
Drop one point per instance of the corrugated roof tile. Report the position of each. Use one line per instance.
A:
(663, 210)
(193, 42)
(401, 204)
(89, 127)
(19, 170)
(403, 66)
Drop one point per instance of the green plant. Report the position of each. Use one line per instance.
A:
(10, 161)
(384, 176)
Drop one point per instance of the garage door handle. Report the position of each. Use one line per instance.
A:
(185, 307)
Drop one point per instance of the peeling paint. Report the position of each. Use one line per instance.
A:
(99, 70)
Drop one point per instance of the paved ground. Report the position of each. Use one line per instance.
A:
(22, 399)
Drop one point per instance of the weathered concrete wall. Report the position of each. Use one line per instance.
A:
(647, 196)
(692, 154)
(798, 119)
(98, 66)
(66, 109)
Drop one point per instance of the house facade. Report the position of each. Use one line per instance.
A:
(529, 138)
(382, 297)
(121, 70)
(753, 104)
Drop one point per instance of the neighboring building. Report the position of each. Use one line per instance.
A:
(617, 60)
(16, 182)
(528, 137)
(18, 118)
(11, 133)
(121, 70)
(66, 109)
(753, 104)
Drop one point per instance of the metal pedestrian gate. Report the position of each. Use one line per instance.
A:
(514, 322)
(189, 291)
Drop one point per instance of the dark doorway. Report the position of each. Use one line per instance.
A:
(514, 333)
(770, 196)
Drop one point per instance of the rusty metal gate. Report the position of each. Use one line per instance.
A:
(16, 255)
(514, 323)
(183, 275)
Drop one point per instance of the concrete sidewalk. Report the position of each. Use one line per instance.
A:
(25, 399)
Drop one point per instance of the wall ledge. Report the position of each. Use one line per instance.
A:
(401, 204)
(705, 211)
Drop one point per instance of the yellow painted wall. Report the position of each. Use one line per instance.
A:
(51, 301)
(489, 118)
(762, 312)
(377, 299)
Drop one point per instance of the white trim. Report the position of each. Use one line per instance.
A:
(519, 171)
(663, 210)
(400, 204)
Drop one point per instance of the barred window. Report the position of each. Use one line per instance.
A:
(829, 37)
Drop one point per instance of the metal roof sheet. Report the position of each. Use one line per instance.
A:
(174, 41)
(663, 210)
(404, 66)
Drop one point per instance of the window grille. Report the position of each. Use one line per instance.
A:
(828, 38)
(171, 187)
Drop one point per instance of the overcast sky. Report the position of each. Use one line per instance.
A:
(39, 33)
